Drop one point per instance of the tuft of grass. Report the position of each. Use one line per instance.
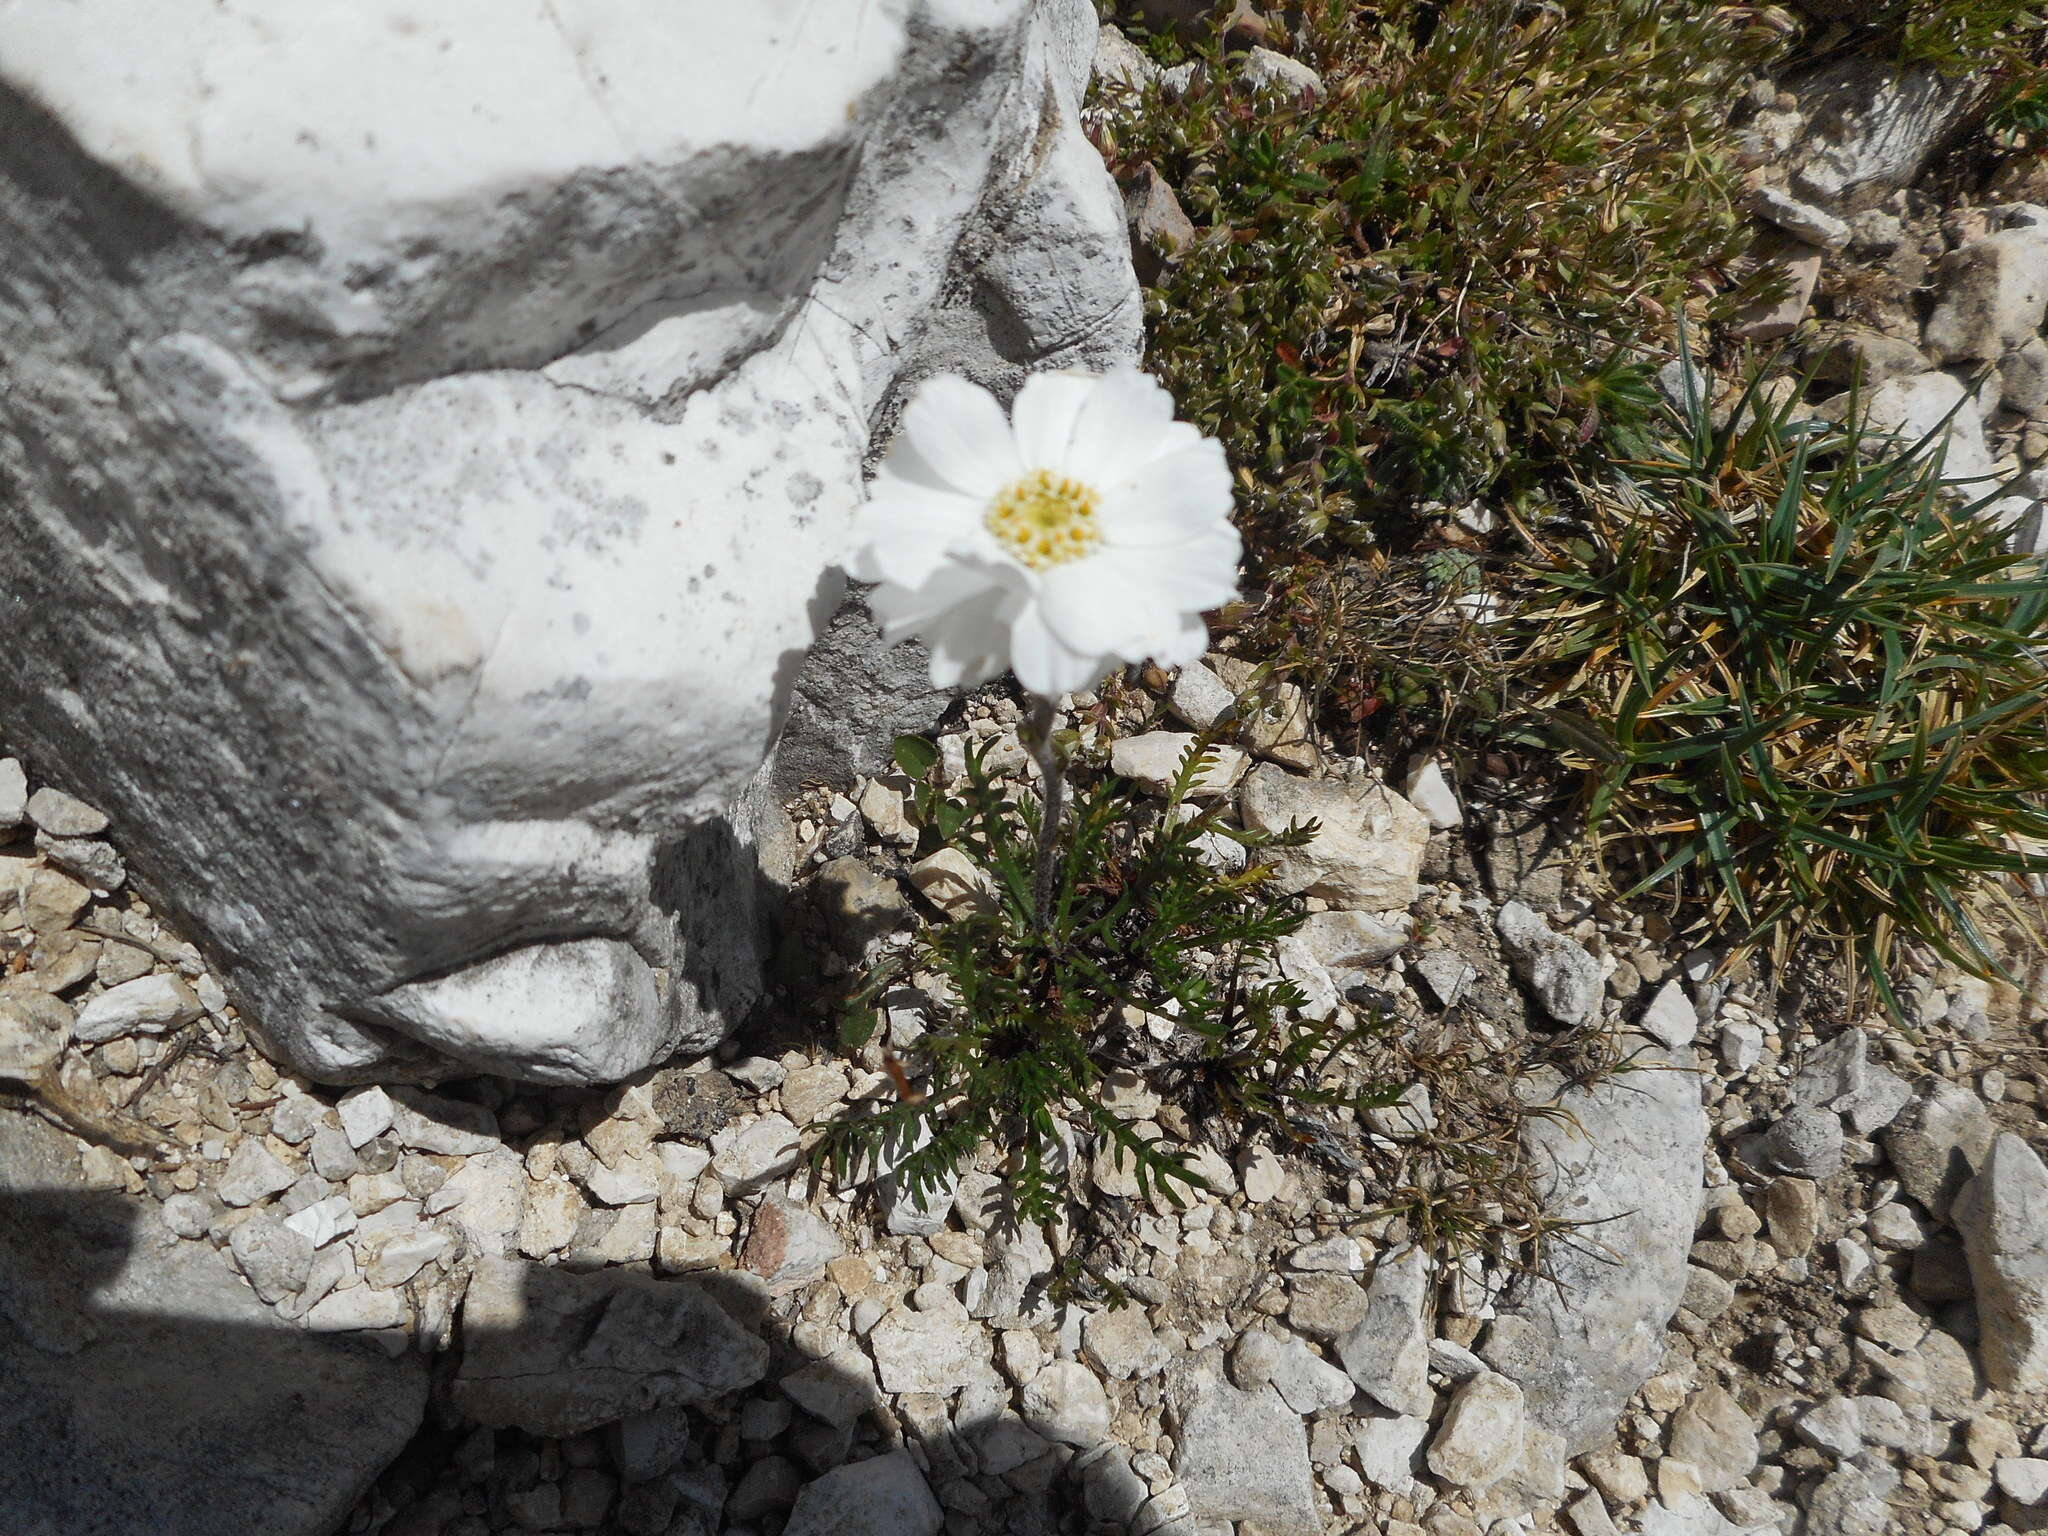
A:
(1820, 684)
(1450, 274)
(1387, 645)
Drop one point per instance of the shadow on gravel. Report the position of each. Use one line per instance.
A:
(615, 1402)
(145, 1391)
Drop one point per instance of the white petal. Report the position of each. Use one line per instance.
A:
(965, 647)
(902, 609)
(1106, 605)
(1186, 645)
(1119, 429)
(903, 465)
(1047, 408)
(1045, 663)
(1196, 573)
(904, 532)
(1185, 493)
(959, 433)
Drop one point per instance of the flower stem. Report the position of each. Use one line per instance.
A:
(1038, 737)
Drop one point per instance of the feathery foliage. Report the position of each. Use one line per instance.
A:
(1032, 1010)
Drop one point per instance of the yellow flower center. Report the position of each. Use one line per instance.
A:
(1045, 519)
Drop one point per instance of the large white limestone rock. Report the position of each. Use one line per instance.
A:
(425, 437)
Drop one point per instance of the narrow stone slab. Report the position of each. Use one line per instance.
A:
(556, 1353)
(1625, 1160)
(2002, 1215)
(882, 1496)
(1387, 1353)
(1244, 1456)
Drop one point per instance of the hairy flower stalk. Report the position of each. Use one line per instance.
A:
(1038, 737)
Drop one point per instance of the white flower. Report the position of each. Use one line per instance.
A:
(1089, 531)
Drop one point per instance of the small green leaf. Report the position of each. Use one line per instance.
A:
(914, 755)
(857, 1027)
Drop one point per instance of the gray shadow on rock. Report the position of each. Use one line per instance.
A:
(613, 1401)
(145, 1391)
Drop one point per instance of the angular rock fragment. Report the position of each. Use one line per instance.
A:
(1154, 760)
(1565, 979)
(860, 904)
(253, 1173)
(788, 1246)
(1938, 1141)
(1793, 267)
(1480, 1437)
(1936, 410)
(1267, 70)
(2002, 1215)
(274, 1259)
(1871, 124)
(556, 1353)
(1367, 854)
(1713, 1433)
(1671, 1019)
(1993, 296)
(930, 1352)
(34, 1027)
(1160, 228)
(13, 794)
(750, 1158)
(1389, 1449)
(149, 1005)
(1840, 1076)
(1244, 1456)
(1804, 1142)
(1351, 941)
(1627, 1159)
(1387, 1353)
(1065, 1402)
(1307, 1383)
(62, 815)
(1430, 792)
(953, 883)
(882, 1496)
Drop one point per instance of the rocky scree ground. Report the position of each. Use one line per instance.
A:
(1928, 293)
(648, 1315)
(1808, 1288)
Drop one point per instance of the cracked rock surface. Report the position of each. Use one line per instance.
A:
(376, 522)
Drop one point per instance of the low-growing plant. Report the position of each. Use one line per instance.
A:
(1042, 991)
(1388, 645)
(1452, 271)
(1819, 681)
